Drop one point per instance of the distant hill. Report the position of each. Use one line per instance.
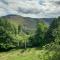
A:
(26, 22)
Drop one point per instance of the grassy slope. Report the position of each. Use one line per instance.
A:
(30, 54)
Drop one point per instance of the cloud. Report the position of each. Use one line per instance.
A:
(31, 8)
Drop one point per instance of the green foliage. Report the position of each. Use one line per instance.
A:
(53, 33)
(12, 37)
(38, 38)
(19, 29)
(6, 41)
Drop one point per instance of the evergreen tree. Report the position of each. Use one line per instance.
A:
(19, 29)
(38, 38)
(53, 33)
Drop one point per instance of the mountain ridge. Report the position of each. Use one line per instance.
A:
(26, 22)
(48, 20)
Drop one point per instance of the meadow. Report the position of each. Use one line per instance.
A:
(30, 54)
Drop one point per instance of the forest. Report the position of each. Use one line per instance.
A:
(17, 42)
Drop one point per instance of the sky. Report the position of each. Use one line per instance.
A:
(31, 8)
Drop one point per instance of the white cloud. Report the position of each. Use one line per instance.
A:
(30, 8)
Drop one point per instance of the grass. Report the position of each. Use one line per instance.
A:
(29, 54)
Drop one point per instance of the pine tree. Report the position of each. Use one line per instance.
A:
(53, 33)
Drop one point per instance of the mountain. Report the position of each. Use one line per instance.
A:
(26, 22)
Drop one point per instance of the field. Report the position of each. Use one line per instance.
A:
(30, 54)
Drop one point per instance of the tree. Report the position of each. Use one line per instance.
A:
(19, 29)
(53, 33)
(6, 40)
(38, 38)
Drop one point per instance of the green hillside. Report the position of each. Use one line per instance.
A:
(29, 38)
(26, 22)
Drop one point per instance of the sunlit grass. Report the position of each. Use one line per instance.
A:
(29, 54)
